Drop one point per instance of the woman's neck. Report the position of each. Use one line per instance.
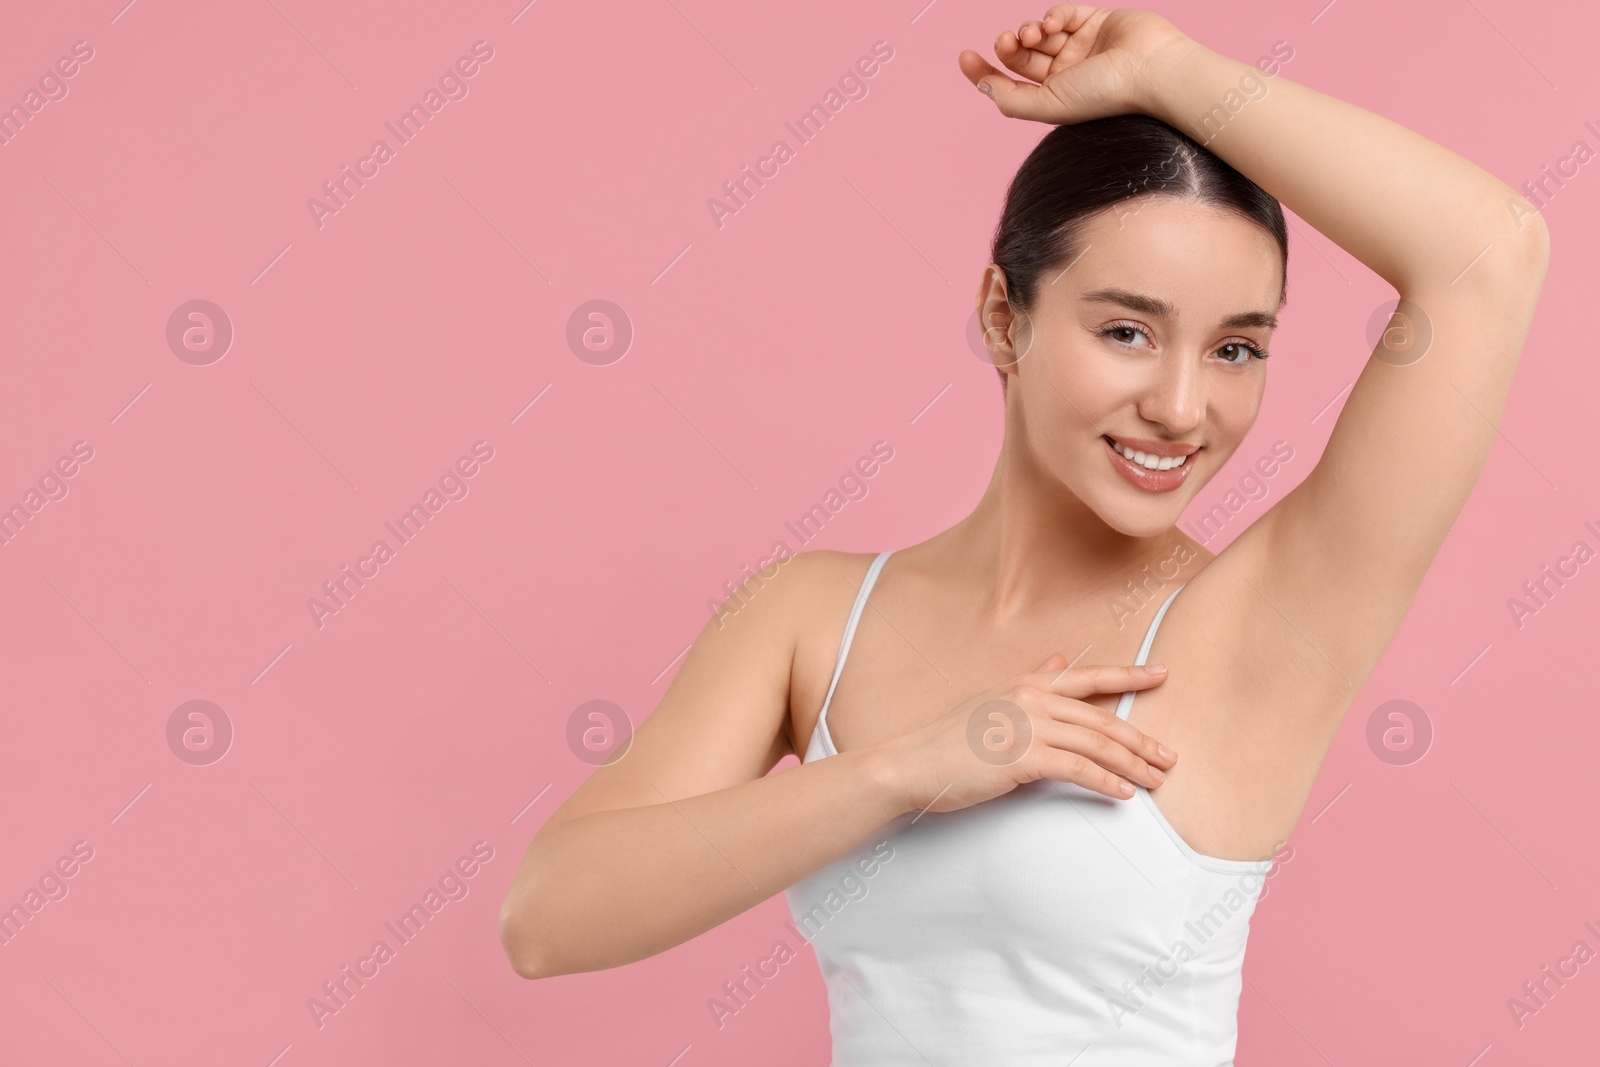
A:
(1030, 544)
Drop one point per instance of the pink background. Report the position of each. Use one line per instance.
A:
(430, 712)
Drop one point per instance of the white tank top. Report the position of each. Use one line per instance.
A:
(1048, 926)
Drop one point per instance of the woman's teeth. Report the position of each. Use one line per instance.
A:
(1155, 463)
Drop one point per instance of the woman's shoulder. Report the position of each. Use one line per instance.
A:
(815, 585)
(816, 574)
(811, 593)
(798, 598)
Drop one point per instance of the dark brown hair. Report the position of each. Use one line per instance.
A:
(1077, 170)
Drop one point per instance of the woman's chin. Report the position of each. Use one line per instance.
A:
(1144, 529)
(1146, 518)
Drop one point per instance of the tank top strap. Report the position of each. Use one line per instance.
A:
(1125, 705)
(850, 632)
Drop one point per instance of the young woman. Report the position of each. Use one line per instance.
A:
(992, 861)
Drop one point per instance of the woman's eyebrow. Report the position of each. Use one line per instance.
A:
(1243, 319)
(1152, 305)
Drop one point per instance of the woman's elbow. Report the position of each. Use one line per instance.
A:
(518, 953)
(527, 949)
(1522, 252)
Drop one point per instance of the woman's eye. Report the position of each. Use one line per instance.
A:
(1123, 334)
(1235, 352)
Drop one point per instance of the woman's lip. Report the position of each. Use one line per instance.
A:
(1155, 448)
(1143, 478)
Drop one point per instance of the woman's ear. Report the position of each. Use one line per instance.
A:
(997, 320)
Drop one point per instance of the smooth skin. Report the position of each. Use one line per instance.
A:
(1151, 334)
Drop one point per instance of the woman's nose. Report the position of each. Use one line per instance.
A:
(1175, 395)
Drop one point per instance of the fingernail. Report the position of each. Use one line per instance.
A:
(1157, 773)
(1125, 789)
(983, 87)
(1164, 752)
(1156, 668)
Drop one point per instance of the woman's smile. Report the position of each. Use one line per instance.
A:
(1154, 466)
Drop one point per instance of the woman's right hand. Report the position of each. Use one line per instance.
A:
(1079, 63)
(1033, 726)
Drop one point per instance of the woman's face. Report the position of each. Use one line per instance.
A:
(1144, 344)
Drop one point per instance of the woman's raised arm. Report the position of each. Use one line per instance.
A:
(1343, 554)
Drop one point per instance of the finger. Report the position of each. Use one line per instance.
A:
(1031, 33)
(1080, 770)
(1051, 44)
(1102, 751)
(1068, 18)
(1079, 27)
(1080, 682)
(1055, 661)
(1027, 51)
(1022, 100)
(1117, 732)
(1078, 713)
(1038, 37)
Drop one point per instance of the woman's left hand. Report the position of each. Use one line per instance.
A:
(1080, 63)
